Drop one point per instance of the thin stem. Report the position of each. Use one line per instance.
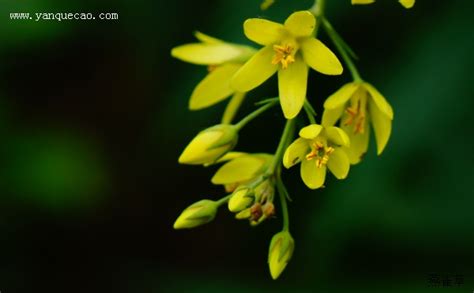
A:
(340, 48)
(232, 108)
(281, 146)
(223, 200)
(309, 112)
(284, 205)
(254, 114)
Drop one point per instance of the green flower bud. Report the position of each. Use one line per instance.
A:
(199, 213)
(242, 198)
(210, 144)
(243, 215)
(280, 252)
(265, 191)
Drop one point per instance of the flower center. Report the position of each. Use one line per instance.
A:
(321, 152)
(283, 55)
(357, 113)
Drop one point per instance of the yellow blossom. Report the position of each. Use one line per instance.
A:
(223, 60)
(357, 105)
(210, 145)
(197, 214)
(240, 169)
(289, 49)
(405, 3)
(280, 253)
(317, 149)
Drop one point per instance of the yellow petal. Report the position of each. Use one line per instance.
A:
(407, 3)
(379, 100)
(206, 38)
(339, 164)
(295, 152)
(257, 70)
(292, 83)
(320, 58)
(214, 88)
(382, 126)
(311, 131)
(209, 54)
(330, 116)
(359, 143)
(262, 31)
(301, 23)
(312, 176)
(337, 136)
(240, 169)
(362, 2)
(341, 96)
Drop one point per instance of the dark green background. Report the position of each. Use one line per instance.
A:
(93, 116)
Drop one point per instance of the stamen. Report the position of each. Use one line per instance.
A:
(321, 153)
(283, 55)
(357, 115)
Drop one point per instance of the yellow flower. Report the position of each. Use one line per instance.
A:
(280, 253)
(223, 60)
(199, 213)
(317, 149)
(289, 49)
(210, 145)
(241, 168)
(405, 3)
(356, 105)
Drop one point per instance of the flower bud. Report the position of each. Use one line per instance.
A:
(242, 198)
(209, 145)
(199, 213)
(280, 252)
(265, 191)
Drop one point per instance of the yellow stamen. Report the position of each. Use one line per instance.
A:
(356, 113)
(283, 55)
(320, 152)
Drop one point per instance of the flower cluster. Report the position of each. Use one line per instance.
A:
(252, 181)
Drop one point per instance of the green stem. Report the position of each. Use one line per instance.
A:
(340, 48)
(232, 108)
(309, 112)
(254, 114)
(223, 200)
(281, 146)
(284, 204)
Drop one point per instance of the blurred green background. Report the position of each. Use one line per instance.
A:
(93, 116)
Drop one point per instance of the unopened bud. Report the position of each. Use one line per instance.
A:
(280, 252)
(242, 198)
(199, 213)
(209, 145)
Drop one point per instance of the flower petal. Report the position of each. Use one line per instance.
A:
(407, 3)
(257, 70)
(311, 131)
(301, 23)
(206, 38)
(341, 96)
(339, 164)
(292, 84)
(320, 58)
(330, 116)
(214, 88)
(240, 169)
(208, 54)
(382, 126)
(295, 153)
(312, 176)
(337, 136)
(262, 31)
(359, 143)
(380, 101)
